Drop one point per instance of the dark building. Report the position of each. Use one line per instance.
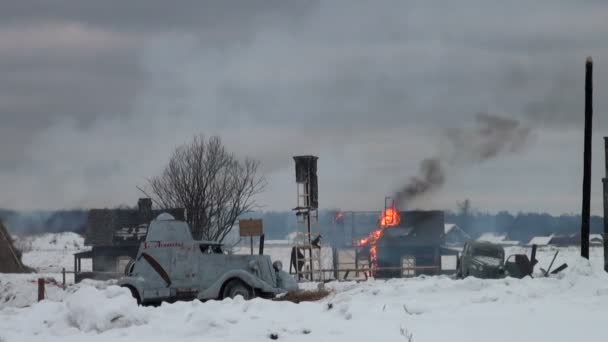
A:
(566, 240)
(115, 235)
(411, 248)
(454, 235)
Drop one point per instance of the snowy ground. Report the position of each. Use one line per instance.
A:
(567, 307)
(283, 254)
(49, 253)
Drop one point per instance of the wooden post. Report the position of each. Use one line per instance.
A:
(261, 245)
(309, 234)
(357, 261)
(63, 276)
(585, 214)
(40, 289)
(438, 260)
(76, 270)
(334, 257)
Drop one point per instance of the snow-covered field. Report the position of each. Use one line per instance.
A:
(567, 307)
(49, 253)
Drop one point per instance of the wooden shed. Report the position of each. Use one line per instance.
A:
(10, 258)
(114, 236)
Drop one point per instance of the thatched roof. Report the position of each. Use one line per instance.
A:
(10, 260)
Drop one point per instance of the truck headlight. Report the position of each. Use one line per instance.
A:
(277, 265)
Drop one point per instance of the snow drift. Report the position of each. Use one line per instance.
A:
(561, 308)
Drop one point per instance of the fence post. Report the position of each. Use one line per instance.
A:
(40, 289)
(63, 276)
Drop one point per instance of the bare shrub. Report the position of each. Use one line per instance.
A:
(408, 335)
(304, 296)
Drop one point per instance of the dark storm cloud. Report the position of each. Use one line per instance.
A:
(56, 72)
(81, 61)
(98, 93)
(153, 16)
(68, 83)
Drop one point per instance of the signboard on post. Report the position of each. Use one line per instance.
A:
(251, 228)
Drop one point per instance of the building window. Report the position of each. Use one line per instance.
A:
(408, 266)
(122, 262)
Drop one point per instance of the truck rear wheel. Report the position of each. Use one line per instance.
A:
(235, 288)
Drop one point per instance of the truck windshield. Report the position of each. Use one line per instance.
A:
(488, 252)
(211, 249)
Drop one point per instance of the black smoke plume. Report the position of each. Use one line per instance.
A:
(431, 177)
(491, 137)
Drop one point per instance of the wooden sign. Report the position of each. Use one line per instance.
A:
(251, 227)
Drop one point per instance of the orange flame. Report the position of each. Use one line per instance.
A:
(388, 218)
(339, 216)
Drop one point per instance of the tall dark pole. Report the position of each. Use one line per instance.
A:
(587, 159)
(605, 184)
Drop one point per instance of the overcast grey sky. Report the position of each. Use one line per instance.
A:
(94, 95)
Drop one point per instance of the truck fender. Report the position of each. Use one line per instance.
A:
(134, 284)
(215, 290)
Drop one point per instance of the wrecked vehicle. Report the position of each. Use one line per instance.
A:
(487, 261)
(482, 260)
(171, 265)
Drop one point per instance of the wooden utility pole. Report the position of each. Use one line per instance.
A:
(605, 188)
(585, 215)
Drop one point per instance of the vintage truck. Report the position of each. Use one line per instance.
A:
(487, 260)
(482, 260)
(171, 265)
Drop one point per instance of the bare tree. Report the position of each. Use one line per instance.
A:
(212, 184)
(465, 212)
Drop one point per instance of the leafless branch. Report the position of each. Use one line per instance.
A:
(408, 335)
(147, 195)
(212, 184)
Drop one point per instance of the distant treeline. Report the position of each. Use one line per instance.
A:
(520, 226)
(523, 226)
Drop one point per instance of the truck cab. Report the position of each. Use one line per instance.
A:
(171, 266)
(482, 260)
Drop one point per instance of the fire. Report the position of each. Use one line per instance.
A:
(388, 218)
(339, 216)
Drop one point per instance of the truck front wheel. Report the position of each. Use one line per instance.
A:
(235, 288)
(135, 294)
